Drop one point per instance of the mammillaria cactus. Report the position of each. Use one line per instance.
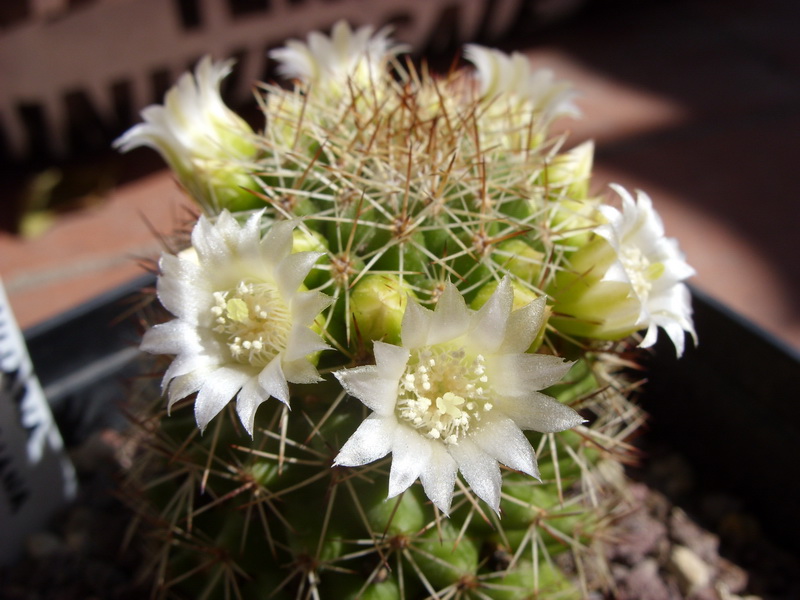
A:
(419, 315)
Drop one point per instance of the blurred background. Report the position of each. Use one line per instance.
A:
(696, 102)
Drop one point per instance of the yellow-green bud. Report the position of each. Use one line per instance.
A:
(308, 240)
(520, 259)
(588, 305)
(574, 213)
(203, 141)
(568, 174)
(377, 304)
(522, 297)
(573, 221)
(228, 187)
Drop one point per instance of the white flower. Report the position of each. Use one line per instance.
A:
(455, 397)
(513, 77)
(199, 137)
(243, 322)
(629, 278)
(652, 264)
(346, 54)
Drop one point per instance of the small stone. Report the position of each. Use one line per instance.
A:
(708, 593)
(658, 505)
(733, 577)
(637, 536)
(643, 582)
(688, 533)
(724, 594)
(690, 571)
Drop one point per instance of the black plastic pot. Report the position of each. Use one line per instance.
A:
(84, 356)
(730, 406)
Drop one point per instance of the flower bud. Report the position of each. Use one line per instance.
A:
(308, 240)
(330, 64)
(628, 277)
(587, 303)
(522, 297)
(377, 304)
(206, 144)
(346, 586)
(568, 174)
(519, 259)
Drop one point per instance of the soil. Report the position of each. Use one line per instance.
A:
(706, 547)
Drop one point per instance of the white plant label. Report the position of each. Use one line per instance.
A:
(36, 477)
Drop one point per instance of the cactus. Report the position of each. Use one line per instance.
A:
(385, 313)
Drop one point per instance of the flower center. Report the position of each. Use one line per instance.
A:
(443, 392)
(253, 321)
(638, 269)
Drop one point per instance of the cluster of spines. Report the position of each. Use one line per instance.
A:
(274, 520)
(406, 182)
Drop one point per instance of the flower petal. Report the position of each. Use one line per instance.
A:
(300, 371)
(183, 364)
(518, 374)
(491, 320)
(210, 240)
(247, 237)
(173, 337)
(219, 388)
(277, 244)
(250, 398)
(439, 477)
(480, 471)
(367, 384)
(410, 455)
(274, 381)
(307, 305)
(302, 342)
(328, 62)
(523, 326)
(415, 326)
(371, 441)
(292, 270)
(181, 288)
(503, 440)
(182, 386)
(539, 412)
(390, 360)
(451, 317)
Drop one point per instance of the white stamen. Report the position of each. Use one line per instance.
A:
(636, 266)
(253, 322)
(440, 395)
